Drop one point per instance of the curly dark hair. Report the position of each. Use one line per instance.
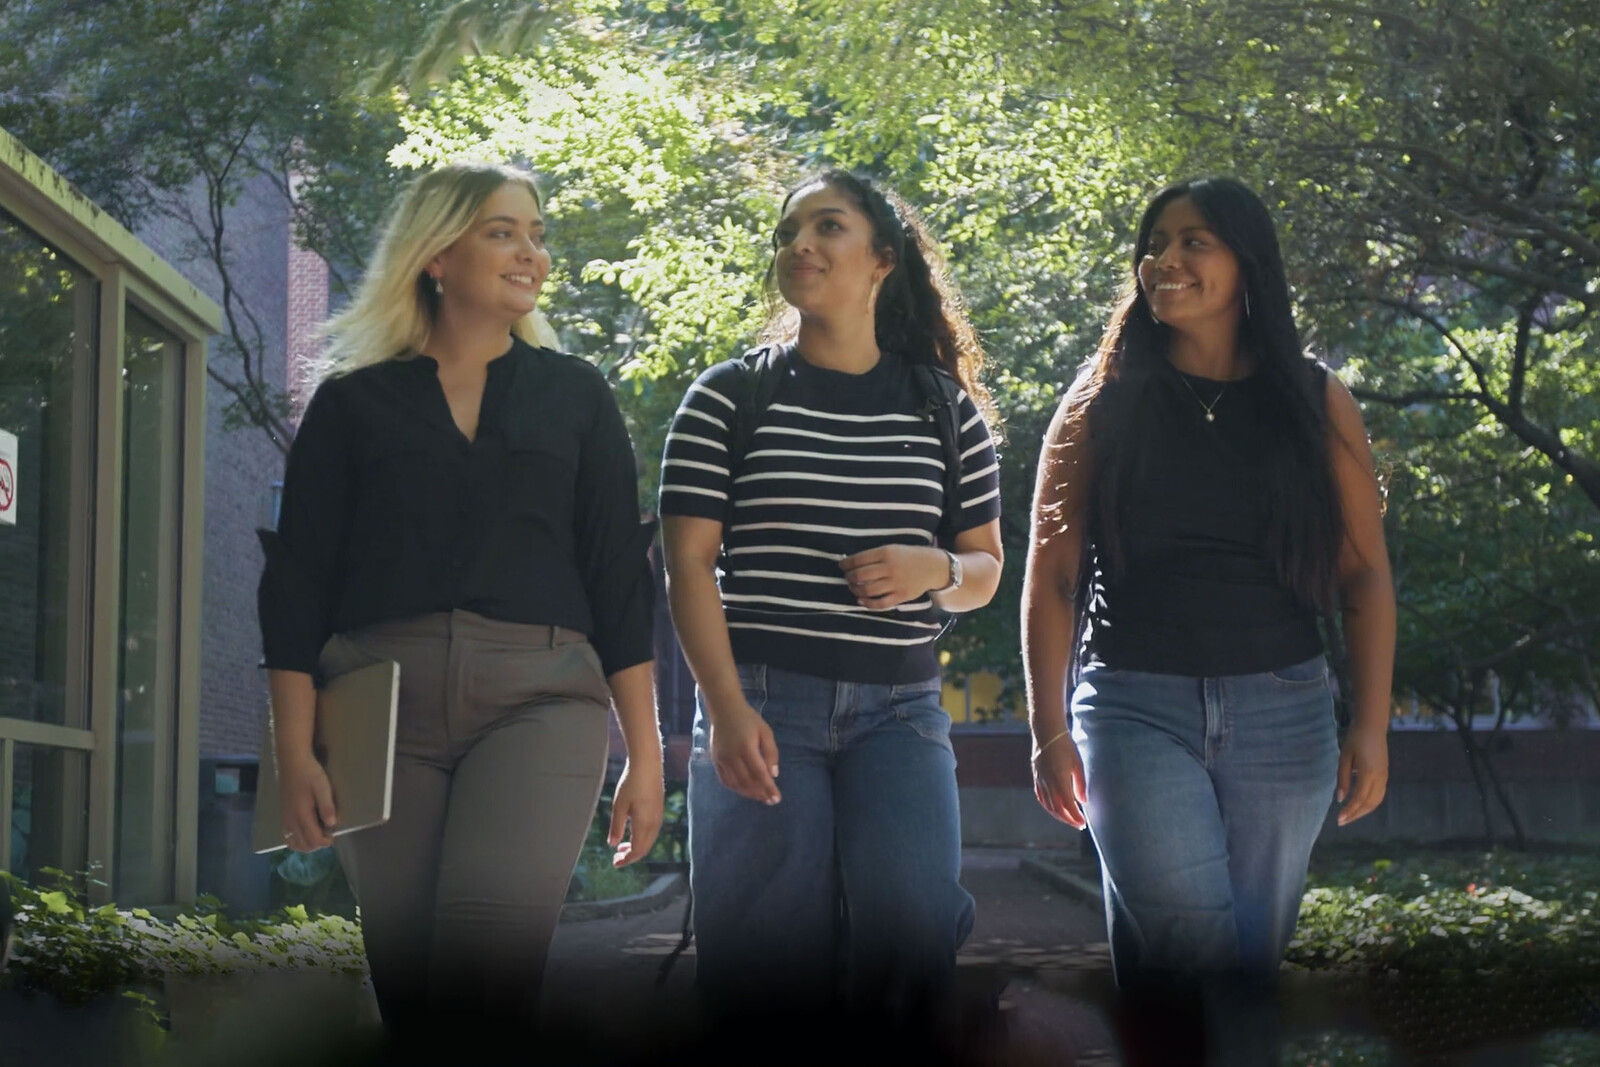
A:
(920, 313)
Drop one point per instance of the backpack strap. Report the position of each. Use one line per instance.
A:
(940, 398)
(761, 374)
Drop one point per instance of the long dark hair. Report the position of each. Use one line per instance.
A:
(920, 314)
(1306, 526)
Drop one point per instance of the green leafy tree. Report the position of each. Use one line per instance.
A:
(1433, 173)
(660, 200)
(168, 109)
(1431, 167)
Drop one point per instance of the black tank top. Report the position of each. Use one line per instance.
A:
(1198, 594)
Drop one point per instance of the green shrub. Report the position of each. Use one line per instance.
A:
(76, 953)
(1455, 950)
(672, 844)
(1482, 913)
(594, 878)
(1565, 1048)
(1337, 1050)
(315, 880)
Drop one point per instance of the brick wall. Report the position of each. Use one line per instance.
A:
(1415, 756)
(241, 465)
(307, 306)
(1552, 776)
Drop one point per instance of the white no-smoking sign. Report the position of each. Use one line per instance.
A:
(8, 479)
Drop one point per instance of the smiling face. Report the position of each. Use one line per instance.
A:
(825, 261)
(497, 267)
(1187, 274)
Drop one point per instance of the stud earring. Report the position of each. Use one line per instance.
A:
(438, 286)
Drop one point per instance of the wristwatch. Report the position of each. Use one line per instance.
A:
(955, 575)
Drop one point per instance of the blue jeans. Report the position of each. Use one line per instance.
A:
(1205, 797)
(856, 873)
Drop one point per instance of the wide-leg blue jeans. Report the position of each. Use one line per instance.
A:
(1205, 797)
(855, 874)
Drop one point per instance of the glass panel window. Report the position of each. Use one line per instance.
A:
(48, 319)
(152, 416)
(49, 813)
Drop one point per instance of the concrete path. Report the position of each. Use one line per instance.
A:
(1041, 946)
(1046, 946)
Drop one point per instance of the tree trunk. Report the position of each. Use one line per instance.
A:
(1486, 753)
(1461, 715)
(1474, 762)
(1519, 836)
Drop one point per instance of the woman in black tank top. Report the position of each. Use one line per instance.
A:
(1204, 494)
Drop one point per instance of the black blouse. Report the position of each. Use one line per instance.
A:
(389, 511)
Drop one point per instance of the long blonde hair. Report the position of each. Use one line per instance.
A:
(392, 312)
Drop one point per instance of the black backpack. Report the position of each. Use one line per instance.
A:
(938, 393)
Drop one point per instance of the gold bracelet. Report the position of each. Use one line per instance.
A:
(1040, 750)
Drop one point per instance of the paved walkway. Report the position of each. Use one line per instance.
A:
(1045, 945)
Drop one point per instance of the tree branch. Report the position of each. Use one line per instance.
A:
(1584, 471)
(1521, 351)
(1415, 396)
(1463, 179)
(1571, 290)
(1421, 315)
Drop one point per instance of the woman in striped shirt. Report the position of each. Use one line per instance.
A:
(825, 517)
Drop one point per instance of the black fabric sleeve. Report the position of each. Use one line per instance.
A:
(613, 545)
(299, 586)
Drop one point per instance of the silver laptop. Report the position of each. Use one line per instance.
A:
(356, 715)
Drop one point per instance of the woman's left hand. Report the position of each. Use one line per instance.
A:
(1365, 755)
(890, 575)
(639, 800)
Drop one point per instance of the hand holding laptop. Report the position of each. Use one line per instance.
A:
(308, 812)
(347, 785)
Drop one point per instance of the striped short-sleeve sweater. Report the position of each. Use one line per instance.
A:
(838, 464)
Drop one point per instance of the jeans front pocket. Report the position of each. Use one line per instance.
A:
(1306, 675)
(909, 690)
(753, 681)
(918, 705)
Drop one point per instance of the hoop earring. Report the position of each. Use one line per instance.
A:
(1247, 303)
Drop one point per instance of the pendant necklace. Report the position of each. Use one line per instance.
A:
(1209, 416)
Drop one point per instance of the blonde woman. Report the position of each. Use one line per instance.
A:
(462, 499)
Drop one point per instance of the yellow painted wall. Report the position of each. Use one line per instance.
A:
(983, 692)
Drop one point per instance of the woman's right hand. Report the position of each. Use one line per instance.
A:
(1058, 781)
(307, 799)
(745, 752)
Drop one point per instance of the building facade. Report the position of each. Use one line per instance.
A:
(103, 409)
